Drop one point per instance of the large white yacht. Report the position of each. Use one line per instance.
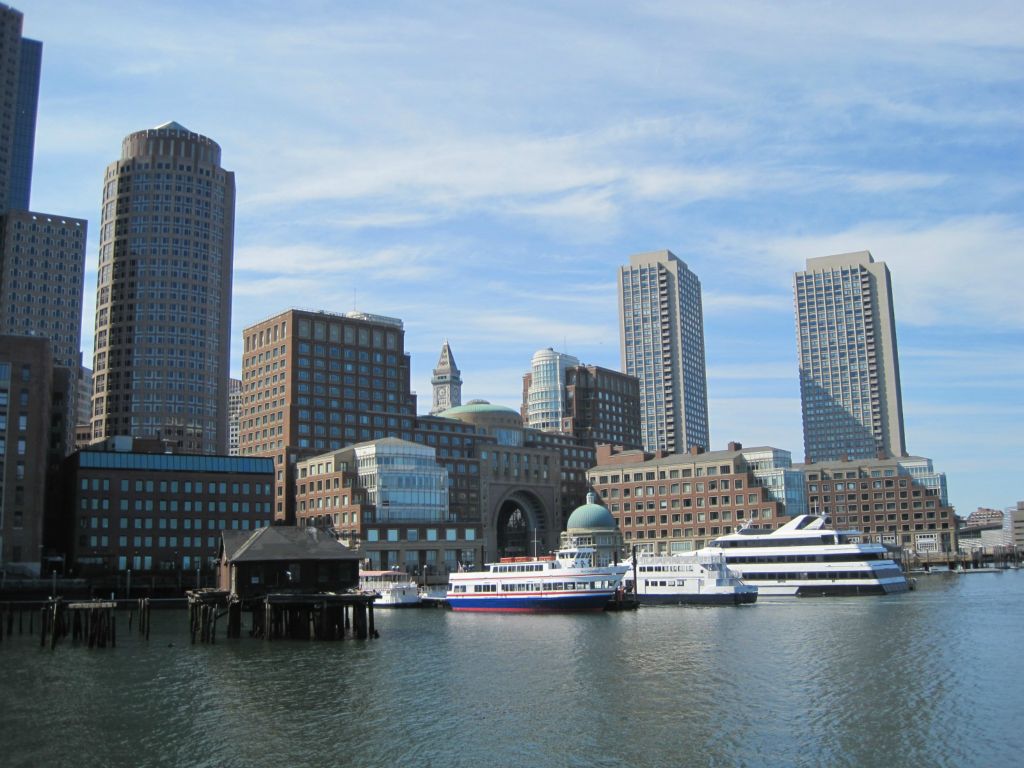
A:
(804, 558)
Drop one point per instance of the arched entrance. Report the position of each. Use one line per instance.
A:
(520, 526)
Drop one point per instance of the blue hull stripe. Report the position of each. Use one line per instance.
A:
(593, 601)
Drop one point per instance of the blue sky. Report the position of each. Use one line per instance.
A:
(480, 170)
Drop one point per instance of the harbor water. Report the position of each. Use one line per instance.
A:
(928, 678)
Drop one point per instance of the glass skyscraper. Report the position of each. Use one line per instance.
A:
(545, 396)
(661, 322)
(849, 365)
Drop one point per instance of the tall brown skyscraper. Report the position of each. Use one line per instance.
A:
(163, 296)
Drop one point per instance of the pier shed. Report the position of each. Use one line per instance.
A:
(298, 583)
(282, 558)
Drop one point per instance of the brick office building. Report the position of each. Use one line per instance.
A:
(152, 512)
(668, 503)
(318, 381)
(898, 501)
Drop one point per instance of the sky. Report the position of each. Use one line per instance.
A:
(481, 170)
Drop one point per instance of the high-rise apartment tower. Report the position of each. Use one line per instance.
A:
(849, 364)
(163, 296)
(544, 396)
(662, 344)
(20, 60)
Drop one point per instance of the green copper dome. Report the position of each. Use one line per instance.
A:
(478, 406)
(590, 516)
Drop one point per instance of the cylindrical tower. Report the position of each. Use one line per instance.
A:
(163, 296)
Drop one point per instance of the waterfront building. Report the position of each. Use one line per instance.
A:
(529, 480)
(446, 382)
(849, 364)
(389, 499)
(982, 538)
(544, 396)
(457, 449)
(592, 525)
(26, 386)
(1013, 525)
(284, 558)
(594, 404)
(126, 504)
(234, 414)
(669, 503)
(896, 501)
(163, 296)
(318, 381)
(20, 60)
(42, 278)
(662, 344)
(985, 516)
(774, 470)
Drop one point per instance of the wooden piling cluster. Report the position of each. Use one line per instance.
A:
(323, 616)
(144, 607)
(90, 622)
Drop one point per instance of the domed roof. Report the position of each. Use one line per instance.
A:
(478, 406)
(591, 515)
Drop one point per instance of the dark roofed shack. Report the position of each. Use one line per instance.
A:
(285, 559)
(298, 583)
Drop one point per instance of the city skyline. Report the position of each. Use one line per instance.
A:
(481, 174)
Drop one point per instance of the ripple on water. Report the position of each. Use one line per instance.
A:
(929, 678)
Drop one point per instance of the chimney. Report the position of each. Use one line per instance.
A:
(735, 446)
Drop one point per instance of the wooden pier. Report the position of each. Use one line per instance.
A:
(282, 616)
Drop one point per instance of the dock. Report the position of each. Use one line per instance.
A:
(283, 616)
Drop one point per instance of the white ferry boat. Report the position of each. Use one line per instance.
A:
(686, 579)
(564, 581)
(395, 588)
(804, 558)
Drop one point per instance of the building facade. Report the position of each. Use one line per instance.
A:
(593, 404)
(544, 395)
(155, 512)
(389, 499)
(42, 279)
(163, 297)
(661, 321)
(26, 387)
(317, 381)
(234, 414)
(20, 60)
(26, 105)
(603, 406)
(849, 364)
(890, 501)
(446, 382)
(669, 503)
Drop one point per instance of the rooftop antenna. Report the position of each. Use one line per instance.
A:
(355, 305)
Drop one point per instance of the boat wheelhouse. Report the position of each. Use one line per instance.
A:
(562, 582)
(805, 558)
